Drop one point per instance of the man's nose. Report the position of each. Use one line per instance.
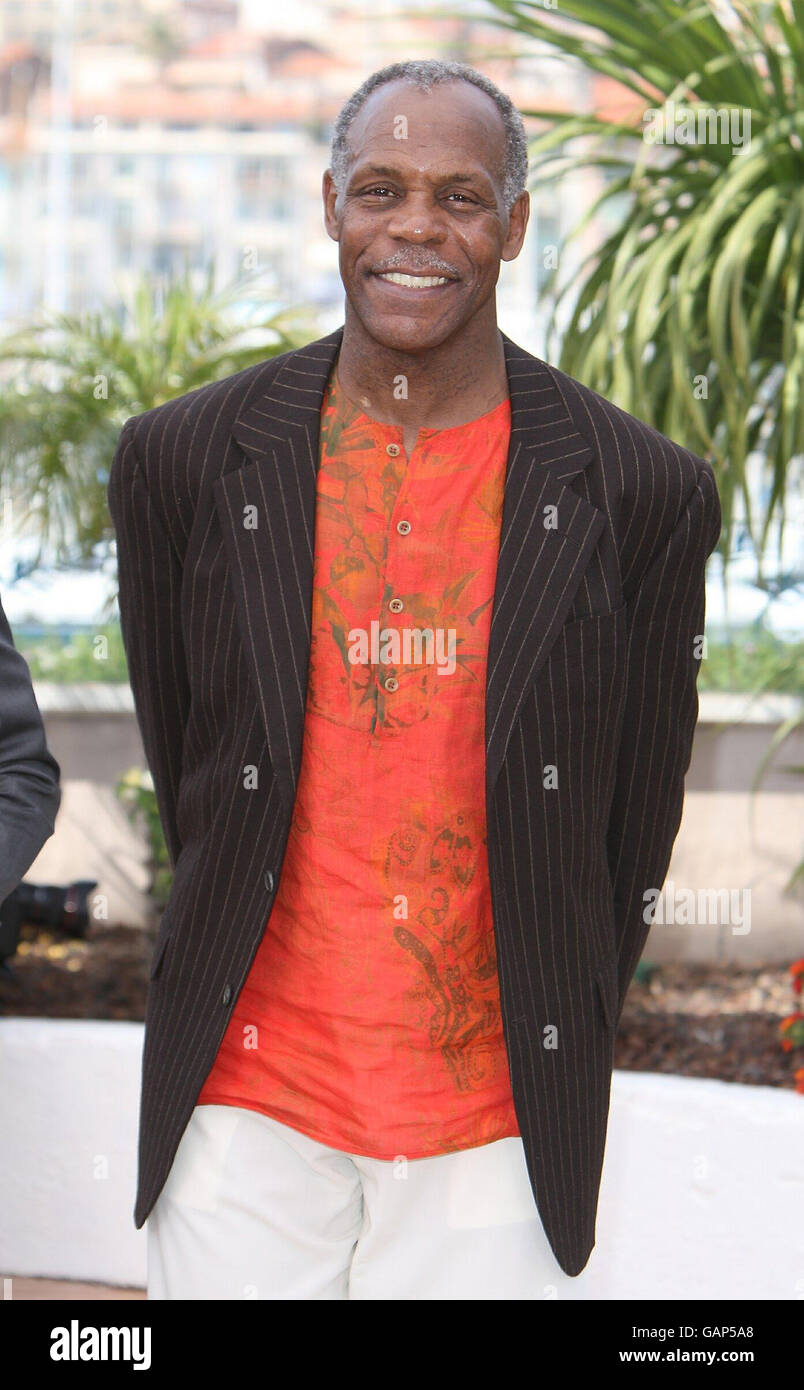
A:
(417, 220)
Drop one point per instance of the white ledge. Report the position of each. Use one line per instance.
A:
(87, 697)
(740, 707)
(716, 707)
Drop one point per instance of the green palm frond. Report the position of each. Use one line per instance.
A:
(691, 314)
(72, 380)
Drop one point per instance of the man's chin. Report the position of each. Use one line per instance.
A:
(406, 332)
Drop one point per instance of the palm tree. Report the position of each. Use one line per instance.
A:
(73, 380)
(691, 314)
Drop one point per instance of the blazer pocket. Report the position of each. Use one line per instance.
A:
(596, 634)
(590, 650)
(608, 989)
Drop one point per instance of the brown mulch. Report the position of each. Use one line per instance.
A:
(690, 1020)
(709, 1020)
(56, 976)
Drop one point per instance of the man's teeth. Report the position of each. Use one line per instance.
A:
(414, 282)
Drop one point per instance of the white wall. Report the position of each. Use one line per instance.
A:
(702, 1195)
(68, 1149)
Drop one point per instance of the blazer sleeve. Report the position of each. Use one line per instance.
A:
(665, 624)
(149, 598)
(29, 774)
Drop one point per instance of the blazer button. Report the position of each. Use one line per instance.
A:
(270, 880)
(227, 996)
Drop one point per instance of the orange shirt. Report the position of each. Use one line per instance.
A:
(370, 1019)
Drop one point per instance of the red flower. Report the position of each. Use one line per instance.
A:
(788, 1028)
(799, 1078)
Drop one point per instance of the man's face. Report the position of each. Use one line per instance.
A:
(431, 203)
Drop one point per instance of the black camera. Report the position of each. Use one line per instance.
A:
(64, 910)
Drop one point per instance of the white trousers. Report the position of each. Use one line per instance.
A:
(254, 1209)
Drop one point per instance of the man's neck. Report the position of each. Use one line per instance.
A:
(447, 386)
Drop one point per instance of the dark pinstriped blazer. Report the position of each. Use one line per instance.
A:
(30, 794)
(591, 672)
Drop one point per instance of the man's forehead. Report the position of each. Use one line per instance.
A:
(374, 134)
(467, 104)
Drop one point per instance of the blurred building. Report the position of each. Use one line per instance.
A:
(43, 22)
(137, 137)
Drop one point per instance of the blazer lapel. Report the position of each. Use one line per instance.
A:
(267, 515)
(547, 536)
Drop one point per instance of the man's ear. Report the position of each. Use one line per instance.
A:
(517, 226)
(329, 195)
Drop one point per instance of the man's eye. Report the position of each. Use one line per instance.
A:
(382, 188)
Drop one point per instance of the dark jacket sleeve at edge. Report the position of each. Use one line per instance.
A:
(29, 774)
(149, 596)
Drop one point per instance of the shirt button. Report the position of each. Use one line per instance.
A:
(269, 880)
(392, 684)
(403, 527)
(227, 996)
(392, 449)
(396, 605)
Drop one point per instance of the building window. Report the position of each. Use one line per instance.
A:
(263, 190)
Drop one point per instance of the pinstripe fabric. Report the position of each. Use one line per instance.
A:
(590, 711)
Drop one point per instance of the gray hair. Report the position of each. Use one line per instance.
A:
(426, 73)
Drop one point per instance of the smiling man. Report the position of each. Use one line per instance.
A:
(425, 199)
(413, 623)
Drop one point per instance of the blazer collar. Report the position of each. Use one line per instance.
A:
(290, 407)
